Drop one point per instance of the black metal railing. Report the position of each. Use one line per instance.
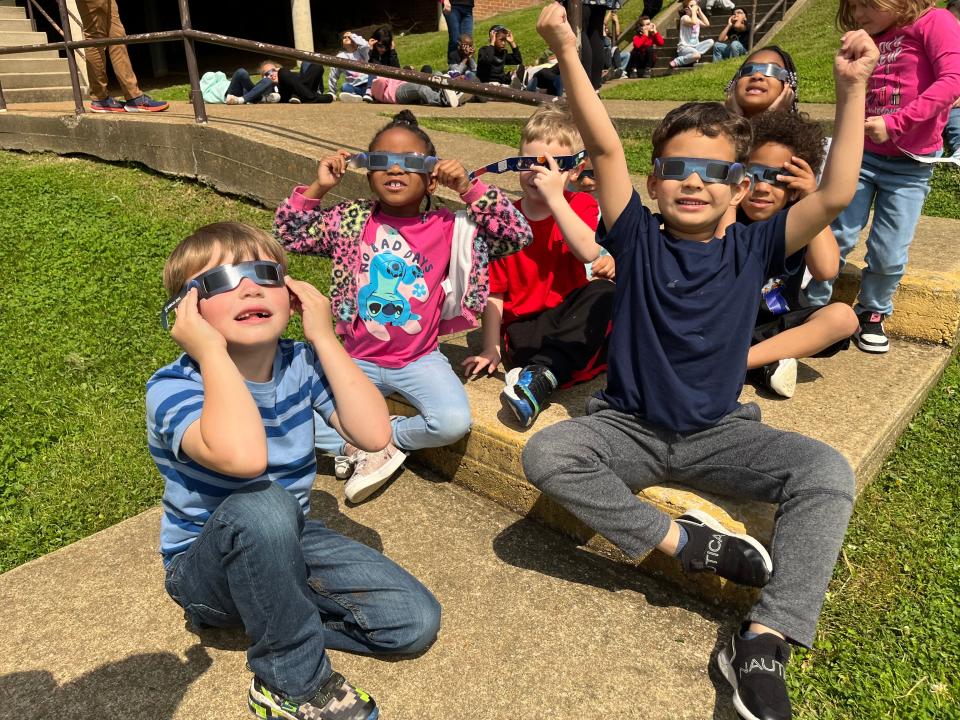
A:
(189, 37)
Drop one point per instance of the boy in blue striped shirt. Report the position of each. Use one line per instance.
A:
(230, 427)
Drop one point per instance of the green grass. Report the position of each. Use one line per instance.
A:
(84, 244)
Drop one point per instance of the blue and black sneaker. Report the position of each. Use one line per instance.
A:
(145, 103)
(528, 390)
(108, 104)
(336, 700)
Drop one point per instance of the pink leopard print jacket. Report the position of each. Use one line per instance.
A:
(335, 232)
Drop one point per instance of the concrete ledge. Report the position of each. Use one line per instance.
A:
(863, 427)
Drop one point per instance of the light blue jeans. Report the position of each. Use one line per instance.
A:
(686, 54)
(432, 387)
(724, 51)
(895, 187)
(356, 89)
(951, 133)
(297, 588)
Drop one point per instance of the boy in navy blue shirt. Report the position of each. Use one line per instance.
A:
(684, 311)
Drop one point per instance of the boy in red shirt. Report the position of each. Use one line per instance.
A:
(544, 318)
(644, 56)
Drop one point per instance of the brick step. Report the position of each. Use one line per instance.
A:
(18, 80)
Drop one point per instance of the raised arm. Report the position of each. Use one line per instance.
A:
(579, 236)
(599, 135)
(852, 67)
(300, 224)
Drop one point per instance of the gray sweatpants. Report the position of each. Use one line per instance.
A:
(593, 465)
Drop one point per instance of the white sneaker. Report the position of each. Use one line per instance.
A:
(271, 98)
(350, 98)
(234, 100)
(372, 471)
(781, 377)
(509, 381)
(367, 98)
(294, 100)
(343, 465)
(451, 98)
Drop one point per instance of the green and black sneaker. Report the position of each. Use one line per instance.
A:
(336, 700)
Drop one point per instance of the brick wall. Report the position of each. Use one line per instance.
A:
(486, 8)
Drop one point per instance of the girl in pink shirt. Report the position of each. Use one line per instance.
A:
(403, 275)
(908, 102)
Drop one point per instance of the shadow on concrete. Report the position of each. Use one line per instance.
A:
(324, 507)
(142, 687)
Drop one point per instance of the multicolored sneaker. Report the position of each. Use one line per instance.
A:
(145, 103)
(533, 387)
(870, 336)
(756, 669)
(108, 104)
(336, 700)
(371, 471)
(712, 548)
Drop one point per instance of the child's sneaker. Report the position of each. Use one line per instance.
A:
(712, 548)
(343, 466)
(534, 385)
(294, 100)
(336, 700)
(349, 97)
(108, 104)
(234, 100)
(273, 97)
(371, 471)
(781, 377)
(145, 103)
(756, 669)
(870, 336)
(368, 97)
(450, 98)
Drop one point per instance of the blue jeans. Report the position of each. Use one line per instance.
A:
(459, 22)
(356, 88)
(896, 188)
(432, 387)
(724, 51)
(951, 133)
(297, 588)
(242, 86)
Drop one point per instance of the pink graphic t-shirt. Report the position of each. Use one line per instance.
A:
(404, 262)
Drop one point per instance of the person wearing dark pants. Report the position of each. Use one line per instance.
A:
(303, 86)
(459, 17)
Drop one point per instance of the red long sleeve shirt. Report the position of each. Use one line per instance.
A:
(644, 41)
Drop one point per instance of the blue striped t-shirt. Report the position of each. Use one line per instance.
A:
(287, 401)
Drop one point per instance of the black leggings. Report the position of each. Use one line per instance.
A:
(591, 42)
(305, 85)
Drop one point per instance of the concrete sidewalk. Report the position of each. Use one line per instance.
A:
(532, 627)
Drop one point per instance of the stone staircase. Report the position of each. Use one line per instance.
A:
(41, 76)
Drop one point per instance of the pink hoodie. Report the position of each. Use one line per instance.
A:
(915, 83)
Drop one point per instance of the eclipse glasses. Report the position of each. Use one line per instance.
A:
(525, 162)
(767, 69)
(710, 171)
(225, 278)
(408, 162)
(766, 174)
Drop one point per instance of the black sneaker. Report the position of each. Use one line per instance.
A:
(712, 548)
(648, 73)
(870, 336)
(533, 387)
(336, 700)
(755, 669)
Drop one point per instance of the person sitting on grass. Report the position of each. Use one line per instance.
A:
(356, 84)
(643, 56)
(734, 39)
(543, 318)
(786, 148)
(230, 426)
(684, 311)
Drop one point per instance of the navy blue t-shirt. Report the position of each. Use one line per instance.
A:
(683, 316)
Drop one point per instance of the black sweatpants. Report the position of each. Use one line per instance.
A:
(570, 339)
(641, 59)
(305, 85)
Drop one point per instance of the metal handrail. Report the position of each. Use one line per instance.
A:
(188, 35)
(34, 3)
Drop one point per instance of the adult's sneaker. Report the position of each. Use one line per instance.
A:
(108, 104)
(870, 336)
(336, 700)
(712, 548)
(781, 377)
(371, 471)
(145, 103)
(756, 669)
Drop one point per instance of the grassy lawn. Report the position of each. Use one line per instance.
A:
(943, 201)
(81, 274)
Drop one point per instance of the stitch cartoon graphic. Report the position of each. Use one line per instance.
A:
(393, 278)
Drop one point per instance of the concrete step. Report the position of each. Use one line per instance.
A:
(21, 63)
(9, 38)
(531, 626)
(36, 54)
(12, 12)
(11, 81)
(880, 395)
(38, 94)
(15, 24)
